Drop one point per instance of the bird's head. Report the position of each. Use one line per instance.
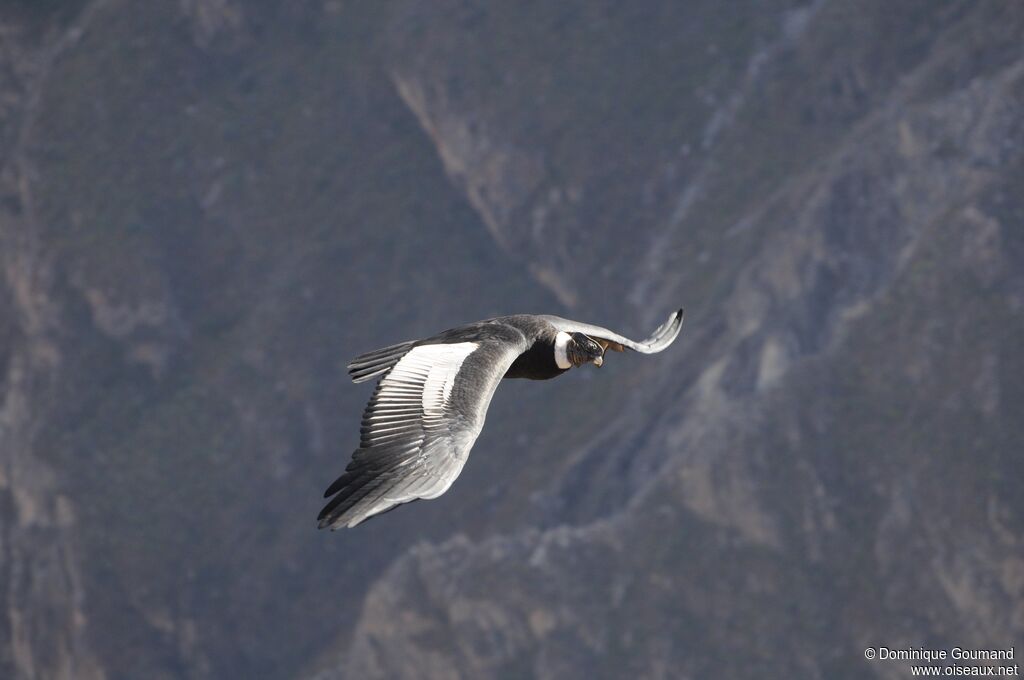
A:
(582, 349)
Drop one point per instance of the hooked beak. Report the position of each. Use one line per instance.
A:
(598, 361)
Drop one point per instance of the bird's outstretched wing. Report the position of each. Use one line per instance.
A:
(420, 425)
(661, 338)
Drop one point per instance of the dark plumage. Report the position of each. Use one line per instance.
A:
(432, 398)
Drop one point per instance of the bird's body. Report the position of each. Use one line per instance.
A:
(432, 398)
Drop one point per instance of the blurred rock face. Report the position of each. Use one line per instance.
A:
(208, 206)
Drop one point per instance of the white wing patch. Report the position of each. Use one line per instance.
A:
(412, 398)
(427, 372)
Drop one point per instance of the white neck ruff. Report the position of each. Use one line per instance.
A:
(561, 345)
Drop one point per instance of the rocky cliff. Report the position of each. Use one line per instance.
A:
(208, 206)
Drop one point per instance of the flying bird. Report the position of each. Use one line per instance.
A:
(433, 394)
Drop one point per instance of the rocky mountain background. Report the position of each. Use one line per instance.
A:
(208, 206)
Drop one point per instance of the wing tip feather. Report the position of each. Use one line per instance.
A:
(664, 335)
